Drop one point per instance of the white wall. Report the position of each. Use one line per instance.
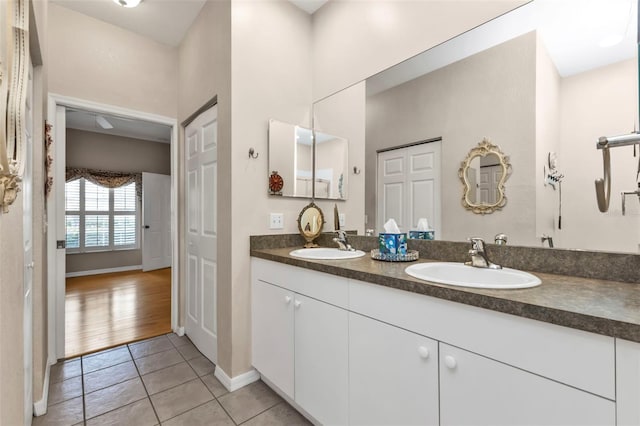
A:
(344, 115)
(602, 102)
(353, 40)
(547, 140)
(487, 95)
(271, 78)
(96, 61)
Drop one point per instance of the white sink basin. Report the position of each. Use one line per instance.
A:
(461, 275)
(325, 253)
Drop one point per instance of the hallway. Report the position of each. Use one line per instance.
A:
(164, 380)
(107, 310)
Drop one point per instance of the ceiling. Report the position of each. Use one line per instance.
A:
(136, 129)
(165, 21)
(571, 31)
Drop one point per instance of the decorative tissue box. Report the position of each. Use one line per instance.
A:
(422, 235)
(392, 243)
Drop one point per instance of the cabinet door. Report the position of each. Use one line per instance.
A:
(321, 361)
(393, 375)
(475, 390)
(272, 337)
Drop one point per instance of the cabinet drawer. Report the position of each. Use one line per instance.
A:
(577, 358)
(318, 285)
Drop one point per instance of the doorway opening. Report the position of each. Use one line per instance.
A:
(113, 270)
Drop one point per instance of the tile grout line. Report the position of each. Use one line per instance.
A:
(261, 412)
(84, 405)
(144, 386)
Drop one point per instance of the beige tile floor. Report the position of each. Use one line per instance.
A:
(164, 380)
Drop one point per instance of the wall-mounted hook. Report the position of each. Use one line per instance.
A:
(356, 170)
(253, 153)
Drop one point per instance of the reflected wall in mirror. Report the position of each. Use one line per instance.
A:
(513, 78)
(291, 156)
(483, 174)
(331, 167)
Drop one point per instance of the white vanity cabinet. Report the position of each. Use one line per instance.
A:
(479, 391)
(300, 342)
(393, 375)
(351, 352)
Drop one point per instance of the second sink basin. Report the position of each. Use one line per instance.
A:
(326, 253)
(461, 275)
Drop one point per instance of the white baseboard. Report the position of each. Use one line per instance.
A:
(40, 407)
(237, 382)
(103, 271)
(179, 331)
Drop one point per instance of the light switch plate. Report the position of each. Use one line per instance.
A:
(276, 221)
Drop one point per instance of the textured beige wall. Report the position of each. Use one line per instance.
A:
(96, 61)
(11, 316)
(204, 72)
(384, 33)
(107, 152)
(490, 94)
(602, 102)
(11, 258)
(271, 68)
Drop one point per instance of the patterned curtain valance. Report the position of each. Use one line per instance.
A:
(106, 178)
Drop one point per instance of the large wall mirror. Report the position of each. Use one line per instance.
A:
(550, 76)
(297, 167)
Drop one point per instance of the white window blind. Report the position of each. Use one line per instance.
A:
(99, 218)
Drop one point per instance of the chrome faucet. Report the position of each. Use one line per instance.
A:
(342, 241)
(548, 239)
(479, 257)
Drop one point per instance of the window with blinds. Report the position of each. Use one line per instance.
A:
(99, 218)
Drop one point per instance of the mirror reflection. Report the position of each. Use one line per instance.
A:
(292, 167)
(483, 174)
(512, 80)
(310, 223)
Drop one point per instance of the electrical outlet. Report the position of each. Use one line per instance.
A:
(276, 221)
(342, 218)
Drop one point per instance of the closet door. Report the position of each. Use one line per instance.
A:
(409, 186)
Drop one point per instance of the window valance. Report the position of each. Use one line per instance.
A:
(106, 178)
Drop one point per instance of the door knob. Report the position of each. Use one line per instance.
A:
(30, 265)
(297, 303)
(146, 227)
(287, 299)
(423, 351)
(450, 362)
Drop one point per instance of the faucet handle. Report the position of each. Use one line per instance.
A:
(477, 243)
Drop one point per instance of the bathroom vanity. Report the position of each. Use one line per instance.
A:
(360, 342)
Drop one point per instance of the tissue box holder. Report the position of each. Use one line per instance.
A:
(422, 235)
(392, 243)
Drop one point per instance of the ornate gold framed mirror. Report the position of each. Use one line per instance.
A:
(310, 223)
(483, 174)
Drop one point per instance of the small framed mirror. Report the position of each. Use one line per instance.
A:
(310, 222)
(483, 174)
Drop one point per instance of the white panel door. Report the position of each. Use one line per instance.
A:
(393, 375)
(409, 186)
(201, 158)
(423, 184)
(156, 221)
(479, 391)
(321, 360)
(27, 202)
(391, 187)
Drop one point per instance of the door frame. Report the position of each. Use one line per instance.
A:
(55, 214)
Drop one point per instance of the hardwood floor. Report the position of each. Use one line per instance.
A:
(108, 310)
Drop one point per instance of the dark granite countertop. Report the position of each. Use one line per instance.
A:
(611, 308)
